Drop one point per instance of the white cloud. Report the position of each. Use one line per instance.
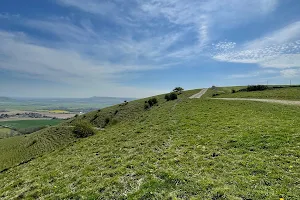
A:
(253, 74)
(92, 6)
(280, 49)
(19, 53)
(290, 73)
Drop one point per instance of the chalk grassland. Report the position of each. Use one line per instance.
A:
(6, 132)
(18, 149)
(288, 93)
(182, 149)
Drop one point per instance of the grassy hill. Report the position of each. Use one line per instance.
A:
(19, 149)
(285, 93)
(182, 149)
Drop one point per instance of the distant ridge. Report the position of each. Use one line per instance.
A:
(5, 99)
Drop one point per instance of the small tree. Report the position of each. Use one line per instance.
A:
(178, 89)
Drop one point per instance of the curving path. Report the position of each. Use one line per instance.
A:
(200, 94)
(286, 102)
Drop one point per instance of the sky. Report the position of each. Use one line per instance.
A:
(139, 48)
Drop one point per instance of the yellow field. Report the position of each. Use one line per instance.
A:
(59, 111)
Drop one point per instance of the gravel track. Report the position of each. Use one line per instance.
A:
(286, 102)
(199, 95)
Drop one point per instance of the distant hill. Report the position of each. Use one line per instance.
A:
(5, 99)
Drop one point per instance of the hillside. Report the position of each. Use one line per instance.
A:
(182, 149)
(284, 93)
(19, 149)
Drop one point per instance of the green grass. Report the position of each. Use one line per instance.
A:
(184, 149)
(288, 93)
(21, 124)
(18, 149)
(6, 132)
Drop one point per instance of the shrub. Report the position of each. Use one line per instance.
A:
(173, 96)
(154, 101)
(106, 121)
(146, 106)
(116, 112)
(150, 103)
(83, 129)
(167, 97)
(257, 88)
(233, 91)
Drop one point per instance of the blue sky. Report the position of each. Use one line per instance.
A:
(138, 48)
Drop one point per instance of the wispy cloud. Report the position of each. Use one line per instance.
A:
(258, 73)
(92, 6)
(290, 73)
(280, 49)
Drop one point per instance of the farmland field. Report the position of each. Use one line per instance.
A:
(21, 124)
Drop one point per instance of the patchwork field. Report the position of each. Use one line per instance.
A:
(181, 149)
(21, 124)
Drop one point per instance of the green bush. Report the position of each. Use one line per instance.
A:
(146, 106)
(83, 129)
(154, 101)
(257, 88)
(173, 96)
(167, 97)
(233, 91)
(151, 102)
(107, 120)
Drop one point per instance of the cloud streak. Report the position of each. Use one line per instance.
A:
(280, 49)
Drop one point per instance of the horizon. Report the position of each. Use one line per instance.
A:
(76, 49)
(133, 98)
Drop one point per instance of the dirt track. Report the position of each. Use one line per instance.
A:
(199, 95)
(286, 102)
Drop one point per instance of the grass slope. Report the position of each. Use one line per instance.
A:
(18, 149)
(185, 149)
(6, 132)
(288, 93)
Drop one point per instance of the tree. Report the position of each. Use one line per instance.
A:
(178, 89)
